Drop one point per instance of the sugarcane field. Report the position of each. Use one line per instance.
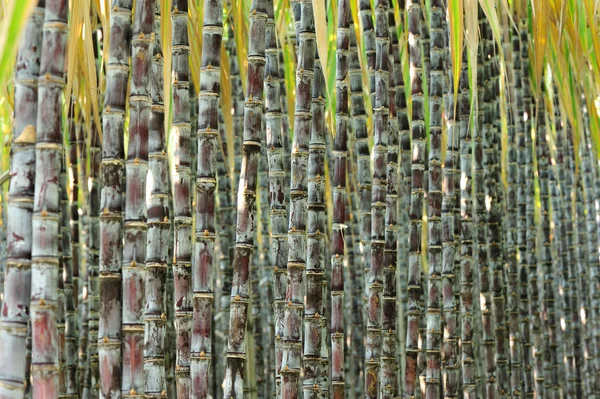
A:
(345, 199)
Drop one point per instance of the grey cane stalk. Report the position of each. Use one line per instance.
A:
(484, 168)
(71, 324)
(450, 353)
(562, 264)
(569, 198)
(434, 247)
(588, 176)
(373, 348)
(549, 319)
(157, 252)
(466, 247)
(112, 198)
(494, 232)
(182, 196)
(46, 204)
(246, 205)
(363, 176)
(368, 33)
(136, 214)
(276, 137)
(339, 200)
(17, 270)
(511, 226)
(315, 378)
(206, 186)
(418, 135)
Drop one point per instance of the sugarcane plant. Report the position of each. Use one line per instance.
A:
(20, 207)
(414, 187)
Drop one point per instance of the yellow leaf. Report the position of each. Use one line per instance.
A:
(541, 16)
(320, 15)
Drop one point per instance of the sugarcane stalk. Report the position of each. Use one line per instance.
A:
(405, 173)
(494, 220)
(378, 204)
(237, 94)
(549, 323)
(60, 303)
(136, 214)
(206, 182)
(339, 200)
(389, 360)
(569, 199)
(365, 14)
(46, 205)
(276, 138)
(246, 204)
(588, 176)
(511, 225)
(363, 187)
(262, 293)
(71, 278)
(450, 361)
(580, 240)
(413, 10)
(17, 270)
(484, 164)
(522, 117)
(315, 372)
(297, 230)
(434, 224)
(112, 198)
(364, 154)
(182, 255)
(158, 235)
(466, 238)
(560, 243)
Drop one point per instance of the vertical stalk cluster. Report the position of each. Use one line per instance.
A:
(20, 207)
(182, 211)
(435, 256)
(246, 203)
(157, 252)
(46, 203)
